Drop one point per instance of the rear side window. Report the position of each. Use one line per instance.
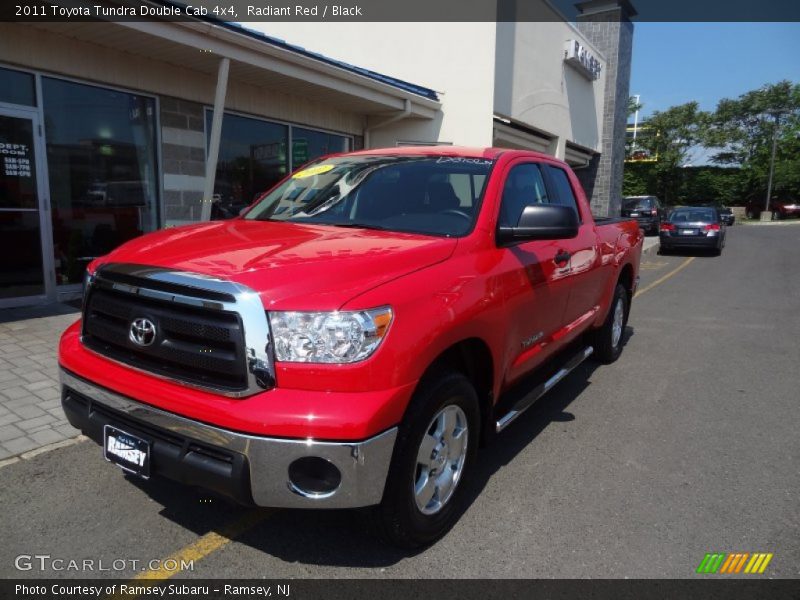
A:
(564, 194)
(524, 186)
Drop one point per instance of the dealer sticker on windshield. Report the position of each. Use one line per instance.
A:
(311, 171)
(130, 452)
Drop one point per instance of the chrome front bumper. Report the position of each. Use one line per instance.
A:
(363, 465)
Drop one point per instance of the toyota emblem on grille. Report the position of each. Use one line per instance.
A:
(142, 332)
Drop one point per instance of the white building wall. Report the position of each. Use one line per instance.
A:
(455, 59)
(535, 87)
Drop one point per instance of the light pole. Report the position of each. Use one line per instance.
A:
(635, 124)
(777, 114)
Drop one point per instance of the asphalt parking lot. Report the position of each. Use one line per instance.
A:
(688, 444)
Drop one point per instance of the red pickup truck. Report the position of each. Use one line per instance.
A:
(355, 335)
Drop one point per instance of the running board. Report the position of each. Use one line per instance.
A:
(540, 390)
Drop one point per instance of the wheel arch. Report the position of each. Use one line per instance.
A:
(472, 358)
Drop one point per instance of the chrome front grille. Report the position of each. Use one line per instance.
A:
(209, 333)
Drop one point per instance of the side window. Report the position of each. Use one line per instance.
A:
(563, 188)
(524, 186)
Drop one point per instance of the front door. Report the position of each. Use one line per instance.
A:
(25, 276)
(535, 276)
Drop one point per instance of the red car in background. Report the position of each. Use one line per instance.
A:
(780, 209)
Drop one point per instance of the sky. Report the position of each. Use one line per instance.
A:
(674, 63)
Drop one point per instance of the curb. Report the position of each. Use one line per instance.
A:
(651, 250)
(44, 449)
(782, 223)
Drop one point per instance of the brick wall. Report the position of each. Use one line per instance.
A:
(612, 33)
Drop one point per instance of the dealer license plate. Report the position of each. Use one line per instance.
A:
(688, 231)
(128, 451)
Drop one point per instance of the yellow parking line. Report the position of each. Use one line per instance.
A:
(661, 280)
(210, 542)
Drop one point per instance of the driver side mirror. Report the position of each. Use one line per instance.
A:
(541, 222)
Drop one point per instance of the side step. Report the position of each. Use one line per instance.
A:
(540, 390)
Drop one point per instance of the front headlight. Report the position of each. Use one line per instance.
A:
(328, 337)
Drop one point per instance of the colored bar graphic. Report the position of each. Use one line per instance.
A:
(711, 563)
(764, 564)
(734, 562)
(732, 558)
(741, 562)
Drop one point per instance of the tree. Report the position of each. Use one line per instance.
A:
(633, 105)
(673, 134)
(742, 130)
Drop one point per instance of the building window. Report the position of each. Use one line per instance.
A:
(253, 158)
(308, 144)
(17, 88)
(101, 153)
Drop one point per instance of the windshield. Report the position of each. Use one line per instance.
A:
(415, 194)
(693, 215)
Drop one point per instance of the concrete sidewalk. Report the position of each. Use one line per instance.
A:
(30, 401)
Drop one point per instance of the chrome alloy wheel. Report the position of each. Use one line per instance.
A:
(440, 459)
(618, 324)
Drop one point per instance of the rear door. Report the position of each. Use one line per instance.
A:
(533, 275)
(586, 277)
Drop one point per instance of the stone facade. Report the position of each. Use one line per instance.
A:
(183, 159)
(607, 25)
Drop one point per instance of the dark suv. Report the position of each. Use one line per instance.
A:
(647, 211)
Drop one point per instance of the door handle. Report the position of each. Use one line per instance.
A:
(562, 257)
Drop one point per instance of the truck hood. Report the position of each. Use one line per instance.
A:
(292, 266)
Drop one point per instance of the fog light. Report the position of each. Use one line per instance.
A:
(314, 477)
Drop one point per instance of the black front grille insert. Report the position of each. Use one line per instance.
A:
(201, 346)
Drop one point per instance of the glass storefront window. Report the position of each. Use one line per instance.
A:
(308, 144)
(17, 87)
(101, 152)
(252, 159)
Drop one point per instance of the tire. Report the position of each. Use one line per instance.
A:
(607, 341)
(664, 250)
(403, 518)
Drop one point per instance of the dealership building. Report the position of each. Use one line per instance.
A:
(112, 130)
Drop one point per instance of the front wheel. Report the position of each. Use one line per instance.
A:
(435, 450)
(607, 341)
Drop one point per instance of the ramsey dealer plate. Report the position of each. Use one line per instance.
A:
(130, 452)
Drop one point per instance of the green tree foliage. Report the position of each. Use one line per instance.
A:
(693, 185)
(742, 131)
(633, 105)
(673, 134)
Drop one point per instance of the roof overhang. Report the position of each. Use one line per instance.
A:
(199, 46)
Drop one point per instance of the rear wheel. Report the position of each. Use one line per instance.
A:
(607, 341)
(435, 451)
